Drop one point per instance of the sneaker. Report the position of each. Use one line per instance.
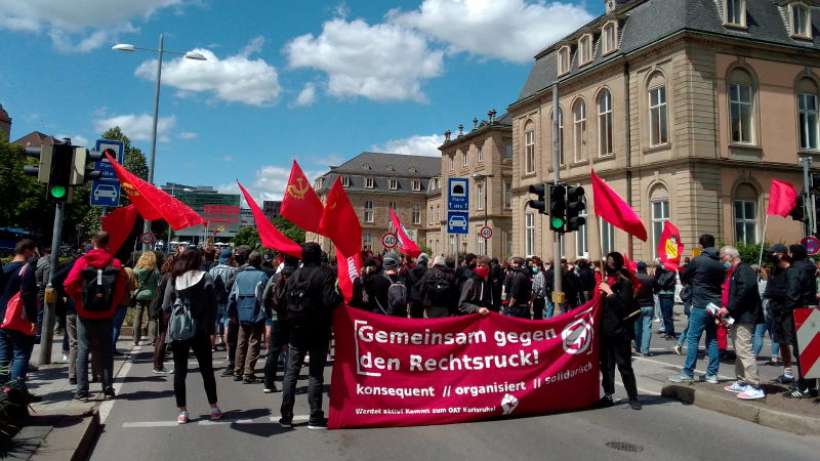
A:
(784, 379)
(216, 413)
(285, 422)
(81, 395)
(751, 393)
(159, 372)
(269, 389)
(182, 418)
(683, 379)
(711, 379)
(237, 378)
(109, 393)
(72, 381)
(737, 387)
(635, 404)
(678, 349)
(228, 372)
(606, 401)
(318, 425)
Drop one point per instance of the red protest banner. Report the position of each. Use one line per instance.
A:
(390, 371)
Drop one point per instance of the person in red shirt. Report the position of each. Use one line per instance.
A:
(97, 283)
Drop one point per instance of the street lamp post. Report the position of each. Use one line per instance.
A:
(161, 51)
(484, 177)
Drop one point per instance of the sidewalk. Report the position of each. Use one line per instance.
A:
(78, 422)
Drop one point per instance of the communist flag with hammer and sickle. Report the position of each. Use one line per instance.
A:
(670, 247)
(301, 205)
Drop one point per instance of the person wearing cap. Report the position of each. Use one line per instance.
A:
(414, 275)
(477, 293)
(437, 290)
(273, 300)
(801, 292)
(224, 275)
(519, 290)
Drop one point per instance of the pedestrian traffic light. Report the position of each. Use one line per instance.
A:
(62, 164)
(43, 168)
(576, 204)
(799, 211)
(558, 207)
(540, 204)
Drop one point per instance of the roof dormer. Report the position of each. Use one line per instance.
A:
(564, 60)
(609, 37)
(734, 13)
(800, 25)
(585, 49)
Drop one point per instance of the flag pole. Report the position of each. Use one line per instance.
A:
(763, 241)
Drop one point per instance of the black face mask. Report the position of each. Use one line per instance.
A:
(774, 258)
(612, 271)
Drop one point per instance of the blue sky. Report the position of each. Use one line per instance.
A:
(311, 80)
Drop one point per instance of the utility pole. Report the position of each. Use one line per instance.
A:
(49, 304)
(557, 292)
(808, 200)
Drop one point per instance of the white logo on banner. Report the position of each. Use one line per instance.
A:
(577, 337)
(508, 404)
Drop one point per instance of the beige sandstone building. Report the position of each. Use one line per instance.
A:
(687, 108)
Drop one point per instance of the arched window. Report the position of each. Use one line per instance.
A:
(368, 211)
(658, 123)
(605, 123)
(529, 148)
(659, 201)
(807, 108)
(741, 106)
(745, 205)
(609, 37)
(579, 130)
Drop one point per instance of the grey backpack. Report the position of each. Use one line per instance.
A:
(181, 325)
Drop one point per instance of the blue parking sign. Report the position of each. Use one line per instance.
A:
(458, 194)
(458, 222)
(105, 190)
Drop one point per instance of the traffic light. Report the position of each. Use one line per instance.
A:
(576, 204)
(62, 165)
(799, 211)
(540, 204)
(558, 207)
(43, 168)
(84, 165)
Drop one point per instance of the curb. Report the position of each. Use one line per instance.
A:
(688, 395)
(92, 431)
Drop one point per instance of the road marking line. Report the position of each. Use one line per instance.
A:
(146, 424)
(107, 405)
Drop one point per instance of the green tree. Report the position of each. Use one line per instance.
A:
(247, 236)
(24, 199)
(290, 230)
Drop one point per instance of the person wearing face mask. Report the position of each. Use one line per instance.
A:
(616, 331)
(539, 291)
(741, 301)
(800, 293)
(519, 290)
(476, 292)
(782, 324)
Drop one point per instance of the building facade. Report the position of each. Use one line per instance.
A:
(688, 118)
(200, 197)
(484, 156)
(377, 182)
(272, 208)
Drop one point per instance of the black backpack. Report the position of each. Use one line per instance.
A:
(396, 295)
(221, 290)
(299, 301)
(98, 288)
(438, 290)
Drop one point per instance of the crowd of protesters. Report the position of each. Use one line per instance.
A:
(241, 301)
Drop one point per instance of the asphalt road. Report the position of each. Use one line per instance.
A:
(141, 425)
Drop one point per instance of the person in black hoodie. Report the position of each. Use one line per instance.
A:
(437, 290)
(705, 275)
(745, 308)
(646, 304)
(616, 331)
(801, 292)
(414, 275)
(519, 290)
(476, 292)
(664, 286)
(195, 288)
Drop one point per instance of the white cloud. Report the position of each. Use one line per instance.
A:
(380, 62)
(513, 30)
(307, 96)
(254, 46)
(76, 140)
(237, 78)
(188, 135)
(269, 183)
(138, 126)
(417, 145)
(79, 25)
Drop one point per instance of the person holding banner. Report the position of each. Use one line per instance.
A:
(616, 331)
(437, 290)
(519, 290)
(476, 291)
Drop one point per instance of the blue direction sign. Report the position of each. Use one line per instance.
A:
(105, 190)
(458, 194)
(458, 222)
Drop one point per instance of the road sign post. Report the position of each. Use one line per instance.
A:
(486, 232)
(105, 190)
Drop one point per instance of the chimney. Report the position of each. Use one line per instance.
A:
(460, 129)
(491, 115)
(447, 135)
(475, 123)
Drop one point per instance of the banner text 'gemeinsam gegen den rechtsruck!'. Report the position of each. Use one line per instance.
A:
(391, 371)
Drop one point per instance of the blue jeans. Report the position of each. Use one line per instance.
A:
(757, 340)
(643, 329)
(15, 352)
(700, 321)
(667, 303)
(687, 309)
(119, 317)
(549, 309)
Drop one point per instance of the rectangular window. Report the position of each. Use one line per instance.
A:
(416, 185)
(660, 214)
(367, 240)
(394, 184)
(736, 12)
(563, 60)
(605, 124)
(745, 222)
(416, 214)
(530, 234)
(529, 142)
(609, 38)
(657, 116)
(581, 242)
(481, 154)
(452, 159)
(740, 108)
(808, 121)
(480, 198)
(607, 236)
(800, 21)
(465, 159)
(508, 150)
(346, 181)
(368, 211)
(585, 50)
(369, 183)
(507, 194)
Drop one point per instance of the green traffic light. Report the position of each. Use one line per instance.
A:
(58, 191)
(556, 223)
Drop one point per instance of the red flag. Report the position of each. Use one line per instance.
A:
(782, 198)
(406, 244)
(268, 234)
(301, 205)
(152, 202)
(119, 224)
(339, 221)
(348, 270)
(614, 210)
(670, 246)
